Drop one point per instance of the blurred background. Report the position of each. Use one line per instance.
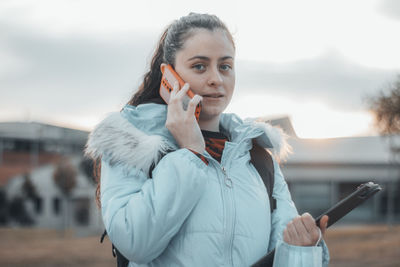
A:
(327, 72)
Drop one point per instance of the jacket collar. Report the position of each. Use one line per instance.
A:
(264, 134)
(136, 136)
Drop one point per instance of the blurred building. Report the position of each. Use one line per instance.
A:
(30, 153)
(321, 172)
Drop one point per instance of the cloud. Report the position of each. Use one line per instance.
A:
(330, 77)
(390, 8)
(71, 74)
(82, 75)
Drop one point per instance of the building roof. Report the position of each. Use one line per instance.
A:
(14, 163)
(349, 150)
(352, 150)
(41, 131)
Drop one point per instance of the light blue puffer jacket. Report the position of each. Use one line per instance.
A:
(191, 214)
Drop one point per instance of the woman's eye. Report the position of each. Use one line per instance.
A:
(199, 67)
(225, 67)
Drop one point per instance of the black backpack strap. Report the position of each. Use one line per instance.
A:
(102, 236)
(121, 260)
(262, 161)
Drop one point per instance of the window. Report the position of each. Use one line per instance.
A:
(390, 198)
(56, 206)
(38, 204)
(81, 211)
(313, 197)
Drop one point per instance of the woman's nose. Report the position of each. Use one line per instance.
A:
(215, 78)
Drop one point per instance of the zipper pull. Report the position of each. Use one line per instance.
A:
(228, 181)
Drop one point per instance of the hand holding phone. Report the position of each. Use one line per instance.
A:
(182, 105)
(169, 78)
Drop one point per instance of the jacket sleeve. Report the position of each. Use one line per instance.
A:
(142, 215)
(285, 254)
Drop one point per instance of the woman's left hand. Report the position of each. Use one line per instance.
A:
(303, 231)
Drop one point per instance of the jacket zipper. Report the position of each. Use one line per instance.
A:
(228, 181)
(227, 191)
(232, 219)
(232, 209)
(231, 212)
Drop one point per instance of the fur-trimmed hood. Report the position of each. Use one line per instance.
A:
(136, 136)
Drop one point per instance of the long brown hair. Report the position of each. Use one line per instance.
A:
(171, 41)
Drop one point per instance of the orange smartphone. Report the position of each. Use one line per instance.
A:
(168, 80)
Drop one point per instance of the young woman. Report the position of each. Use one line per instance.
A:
(177, 192)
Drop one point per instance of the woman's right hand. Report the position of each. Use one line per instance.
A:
(182, 123)
(303, 231)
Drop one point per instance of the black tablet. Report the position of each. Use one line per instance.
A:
(335, 213)
(338, 211)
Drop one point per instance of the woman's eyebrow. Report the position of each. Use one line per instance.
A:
(225, 58)
(208, 59)
(199, 57)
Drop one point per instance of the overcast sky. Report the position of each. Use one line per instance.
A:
(72, 62)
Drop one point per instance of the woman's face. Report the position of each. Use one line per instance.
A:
(206, 62)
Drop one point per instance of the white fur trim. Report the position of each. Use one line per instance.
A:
(280, 147)
(122, 143)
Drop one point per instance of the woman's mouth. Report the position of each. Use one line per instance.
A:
(213, 95)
